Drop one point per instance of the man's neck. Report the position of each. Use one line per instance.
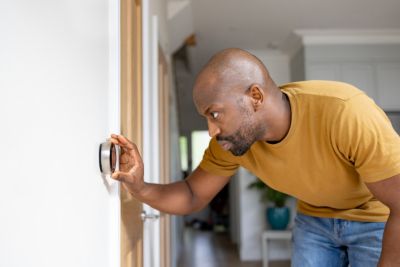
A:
(282, 120)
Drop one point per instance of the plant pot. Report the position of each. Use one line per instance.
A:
(278, 218)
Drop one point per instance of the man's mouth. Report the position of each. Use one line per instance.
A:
(225, 145)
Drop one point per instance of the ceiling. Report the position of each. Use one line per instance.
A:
(267, 24)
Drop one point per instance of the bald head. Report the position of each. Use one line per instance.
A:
(232, 69)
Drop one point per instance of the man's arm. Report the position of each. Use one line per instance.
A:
(182, 197)
(388, 192)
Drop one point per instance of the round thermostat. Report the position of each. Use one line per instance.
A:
(108, 157)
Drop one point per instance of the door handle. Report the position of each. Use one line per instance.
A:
(144, 216)
(108, 157)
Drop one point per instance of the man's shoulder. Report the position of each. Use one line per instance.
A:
(323, 89)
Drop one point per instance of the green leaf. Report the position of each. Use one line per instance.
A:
(268, 193)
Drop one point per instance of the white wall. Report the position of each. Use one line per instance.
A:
(180, 23)
(175, 174)
(54, 86)
(251, 220)
(277, 63)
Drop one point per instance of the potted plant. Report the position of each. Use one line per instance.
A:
(278, 215)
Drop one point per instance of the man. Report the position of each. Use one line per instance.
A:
(325, 143)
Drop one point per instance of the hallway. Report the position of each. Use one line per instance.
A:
(209, 249)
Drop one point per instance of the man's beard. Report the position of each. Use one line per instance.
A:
(243, 138)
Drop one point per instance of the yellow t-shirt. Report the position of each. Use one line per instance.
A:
(338, 140)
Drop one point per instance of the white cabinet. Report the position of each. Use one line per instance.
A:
(379, 80)
(323, 71)
(374, 70)
(388, 82)
(361, 75)
(370, 60)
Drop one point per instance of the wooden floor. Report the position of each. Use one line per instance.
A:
(209, 249)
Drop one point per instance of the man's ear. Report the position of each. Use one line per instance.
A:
(257, 96)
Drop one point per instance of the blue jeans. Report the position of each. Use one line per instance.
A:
(326, 242)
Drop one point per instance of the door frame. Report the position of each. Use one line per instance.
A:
(131, 124)
(164, 136)
(144, 102)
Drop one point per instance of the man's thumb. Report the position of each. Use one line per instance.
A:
(121, 176)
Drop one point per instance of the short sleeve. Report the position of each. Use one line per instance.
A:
(365, 137)
(218, 161)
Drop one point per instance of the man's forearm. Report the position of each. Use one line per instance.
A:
(391, 242)
(175, 198)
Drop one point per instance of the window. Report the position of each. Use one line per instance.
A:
(200, 140)
(183, 147)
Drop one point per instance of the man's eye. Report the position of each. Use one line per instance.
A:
(214, 115)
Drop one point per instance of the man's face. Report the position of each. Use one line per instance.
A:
(245, 134)
(230, 119)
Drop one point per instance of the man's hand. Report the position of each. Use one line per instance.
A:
(130, 165)
(388, 192)
(180, 197)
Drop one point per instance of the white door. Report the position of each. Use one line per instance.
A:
(156, 226)
(151, 141)
(59, 100)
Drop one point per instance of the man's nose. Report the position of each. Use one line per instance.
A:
(213, 129)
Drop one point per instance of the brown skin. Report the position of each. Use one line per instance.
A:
(234, 90)
(388, 192)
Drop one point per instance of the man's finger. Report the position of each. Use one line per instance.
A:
(128, 146)
(114, 141)
(136, 155)
(121, 176)
(121, 141)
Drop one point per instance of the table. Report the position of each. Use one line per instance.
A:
(272, 235)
